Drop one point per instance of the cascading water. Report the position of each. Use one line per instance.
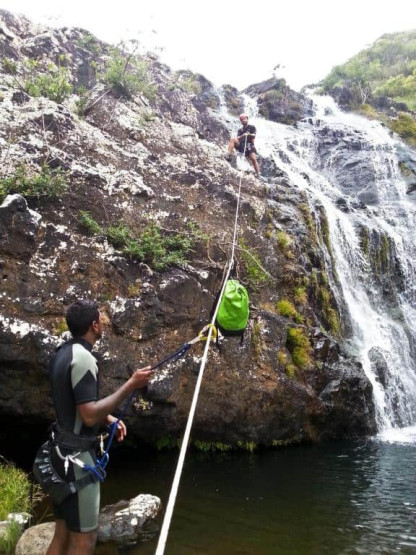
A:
(349, 166)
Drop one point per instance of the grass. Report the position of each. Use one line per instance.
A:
(15, 495)
(299, 347)
(287, 309)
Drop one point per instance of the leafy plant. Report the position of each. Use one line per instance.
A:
(47, 182)
(256, 274)
(87, 221)
(128, 75)
(150, 246)
(53, 83)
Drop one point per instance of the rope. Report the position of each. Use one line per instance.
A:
(179, 467)
(99, 468)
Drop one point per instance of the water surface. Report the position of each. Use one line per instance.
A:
(355, 497)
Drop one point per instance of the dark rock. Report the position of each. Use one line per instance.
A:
(18, 228)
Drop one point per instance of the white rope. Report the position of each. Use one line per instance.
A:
(178, 473)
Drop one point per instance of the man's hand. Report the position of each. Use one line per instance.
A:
(140, 378)
(121, 431)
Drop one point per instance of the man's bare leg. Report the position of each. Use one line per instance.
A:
(59, 543)
(253, 160)
(82, 543)
(234, 143)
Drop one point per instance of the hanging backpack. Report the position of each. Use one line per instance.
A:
(233, 312)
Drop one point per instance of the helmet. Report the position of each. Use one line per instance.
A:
(243, 116)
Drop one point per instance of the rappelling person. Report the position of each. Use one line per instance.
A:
(79, 414)
(245, 136)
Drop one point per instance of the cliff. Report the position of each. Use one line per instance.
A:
(115, 187)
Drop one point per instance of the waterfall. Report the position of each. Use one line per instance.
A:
(349, 166)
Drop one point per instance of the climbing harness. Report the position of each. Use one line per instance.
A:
(185, 441)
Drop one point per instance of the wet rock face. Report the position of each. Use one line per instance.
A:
(139, 164)
(351, 163)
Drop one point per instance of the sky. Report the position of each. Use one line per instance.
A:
(238, 43)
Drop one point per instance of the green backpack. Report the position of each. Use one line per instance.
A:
(233, 312)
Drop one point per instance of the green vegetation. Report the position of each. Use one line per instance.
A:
(212, 446)
(299, 347)
(167, 443)
(308, 219)
(60, 328)
(151, 246)
(284, 360)
(45, 183)
(286, 308)
(285, 242)
(365, 240)
(247, 445)
(256, 340)
(385, 69)
(188, 83)
(87, 221)
(47, 80)
(90, 43)
(300, 295)
(15, 495)
(405, 126)
(82, 102)
(135, 289)
(256, 274)
(128, 75)
(9, 66)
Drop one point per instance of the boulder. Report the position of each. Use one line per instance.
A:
(122, 523)
(128, 521)
(36, 540)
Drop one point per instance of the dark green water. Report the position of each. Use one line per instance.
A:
(336, 498)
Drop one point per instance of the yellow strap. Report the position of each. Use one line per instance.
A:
(205, 329)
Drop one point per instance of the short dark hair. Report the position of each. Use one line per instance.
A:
(80, 315)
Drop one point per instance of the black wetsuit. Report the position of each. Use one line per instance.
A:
(73, 374)
(250, 140)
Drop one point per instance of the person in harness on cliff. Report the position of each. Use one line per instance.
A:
(245, 136)
(73, 375)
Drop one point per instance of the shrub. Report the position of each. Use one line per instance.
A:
(405, 126)
(46, 183)
(127, 75)
(54, 84)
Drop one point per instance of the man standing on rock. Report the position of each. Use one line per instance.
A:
(73, 375)
(245, 138)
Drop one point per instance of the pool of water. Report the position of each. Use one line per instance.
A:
(345, 497)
